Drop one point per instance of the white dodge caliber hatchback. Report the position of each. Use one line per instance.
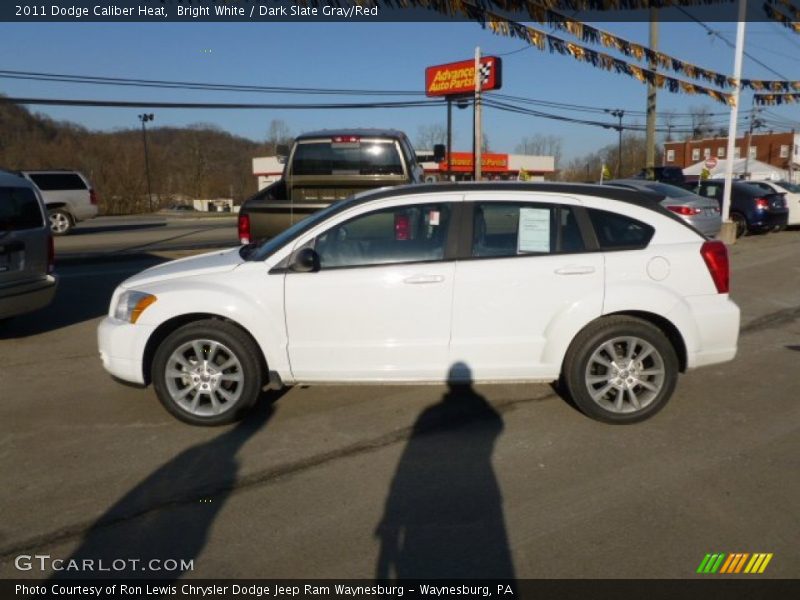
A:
(597, 286)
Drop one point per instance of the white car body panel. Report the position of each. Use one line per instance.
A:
(508, 318)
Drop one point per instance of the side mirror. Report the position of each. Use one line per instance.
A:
(439, 152)
(305, 261)
(282, 150)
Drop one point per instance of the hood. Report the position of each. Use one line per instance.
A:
(204, 264)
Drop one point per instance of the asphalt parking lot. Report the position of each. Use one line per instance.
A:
(367, 481)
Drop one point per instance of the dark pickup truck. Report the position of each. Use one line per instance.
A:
(323, 167)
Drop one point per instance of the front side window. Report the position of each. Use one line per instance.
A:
(618, 232)
(511, 229)
(347, 158)
(401, 234)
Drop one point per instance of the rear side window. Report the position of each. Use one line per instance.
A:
(618, 232)
(19, 209)
(512, 229)
(58, 181)
(358, 158)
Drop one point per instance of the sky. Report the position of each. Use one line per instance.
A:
(369, 56)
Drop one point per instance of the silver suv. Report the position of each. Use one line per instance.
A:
(68, 196)
(27, 281)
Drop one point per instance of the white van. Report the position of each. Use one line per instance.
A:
(68, 196)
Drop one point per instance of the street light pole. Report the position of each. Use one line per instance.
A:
(144, 119)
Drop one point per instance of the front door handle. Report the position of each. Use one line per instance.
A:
(415, 279)
(575, 270)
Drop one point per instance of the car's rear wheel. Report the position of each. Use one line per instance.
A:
(741, 224)
(207, 373)
(60, 221)
(621, 370)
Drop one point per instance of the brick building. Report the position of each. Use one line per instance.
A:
(781, 150)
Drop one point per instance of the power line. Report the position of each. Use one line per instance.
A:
(215, 105)
(157, 83)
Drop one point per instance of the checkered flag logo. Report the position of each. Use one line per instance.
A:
(485, 72)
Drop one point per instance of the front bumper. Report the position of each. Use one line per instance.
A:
(122, 347)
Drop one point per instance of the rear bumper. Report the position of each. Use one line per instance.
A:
(84, 212)
(717, 330)
(769, 221)
(122, 348)
(27, 297)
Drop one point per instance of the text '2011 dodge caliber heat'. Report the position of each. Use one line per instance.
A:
(600, 287)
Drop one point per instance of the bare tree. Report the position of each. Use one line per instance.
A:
(702, 125)
(430, 135)
(279, 133)
(542, 145)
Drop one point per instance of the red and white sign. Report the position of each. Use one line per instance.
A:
(711, 163)
(459, 77)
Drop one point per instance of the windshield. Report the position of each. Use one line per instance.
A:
(272, 245)
(356, 158)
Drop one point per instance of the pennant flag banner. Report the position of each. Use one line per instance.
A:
(773, 99)
(782, 18)
(788, 6)
(771, 86)
(546, 16)
(455, 6)
(544, 41)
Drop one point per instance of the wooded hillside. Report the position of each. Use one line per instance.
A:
(200, 161)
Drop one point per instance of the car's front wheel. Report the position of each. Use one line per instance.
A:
(60, 221)
(621, 370)
(207, 372)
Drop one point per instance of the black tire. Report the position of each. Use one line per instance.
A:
(582, 363)
(231, 342)
(741, 224)
(61, 222)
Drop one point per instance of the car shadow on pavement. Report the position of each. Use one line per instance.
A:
(443, 517)
(114, 228)
(168, 516)
(84, 291)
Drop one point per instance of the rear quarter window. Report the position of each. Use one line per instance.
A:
(58, 181)
(618, 232)
(19, 209)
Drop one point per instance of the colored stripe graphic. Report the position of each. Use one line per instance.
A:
(734, 563)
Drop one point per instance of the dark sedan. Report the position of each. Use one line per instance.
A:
(752, 209)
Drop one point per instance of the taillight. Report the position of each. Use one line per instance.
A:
(93, 197)
(715, 255)
(686, 211)
(244, 228)
(51, 254)
(762, 204)
(402, 227)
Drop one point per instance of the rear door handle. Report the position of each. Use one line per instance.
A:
(575, 270)
(415, 279)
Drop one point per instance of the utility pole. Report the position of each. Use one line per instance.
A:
(754, 122)
(478, 138)
(650, 141)
(619, 114)
(449, 137)
(144, 119)
(728, 231)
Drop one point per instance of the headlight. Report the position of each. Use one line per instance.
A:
(131, 305)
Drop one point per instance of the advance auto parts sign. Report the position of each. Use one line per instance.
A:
(459, 77)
